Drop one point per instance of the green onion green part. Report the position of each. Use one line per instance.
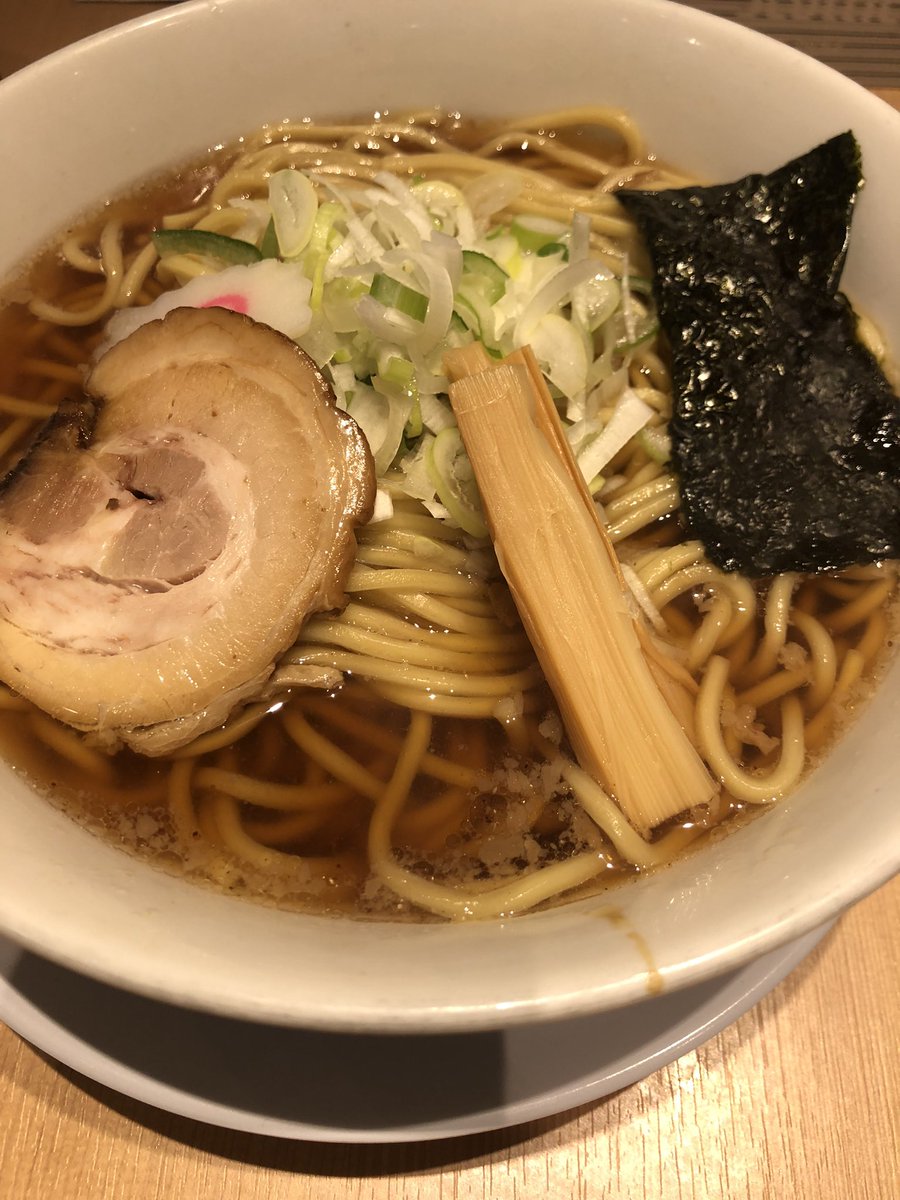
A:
(224, 249)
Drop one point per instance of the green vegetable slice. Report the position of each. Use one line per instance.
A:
(316, 254)
(474, 310)
(453, 479)
(268, 246)
(292, 199)
(231, 251)
(393, 294)
(646, 326)
(398, 371)
(414, 426)
(655, 442)
(536, 233)
(484, 274)
(552, 248)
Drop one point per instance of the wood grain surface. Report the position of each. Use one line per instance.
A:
(799, 1100)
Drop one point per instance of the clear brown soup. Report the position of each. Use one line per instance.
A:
(504, 823)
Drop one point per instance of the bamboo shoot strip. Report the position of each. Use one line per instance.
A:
(676, 684)
(562, 576)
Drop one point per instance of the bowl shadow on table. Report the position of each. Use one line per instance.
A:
(311, 1077)
(325, 1159)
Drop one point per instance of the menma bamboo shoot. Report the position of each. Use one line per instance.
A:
(563, 576)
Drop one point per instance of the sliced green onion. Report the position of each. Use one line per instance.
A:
(535, 233)
(293, 201)
(595, 301)
(451, 474)
(485, 274)
(561, 350)
(475, 312)
(318, 249)
(599, 447)
(414, 426)
(393, 294)
(397, 376)
(382, 419)
(338, 303)
(320, 341)
(645, 327)
(440, 199)
(654, 440)
(268, 246)
(437, 414)
(554, 248)
(642, 284)
(231, 251)
(416, 481)
(466, 314)
(399, 371)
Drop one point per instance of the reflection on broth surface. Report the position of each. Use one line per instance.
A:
(432, 775)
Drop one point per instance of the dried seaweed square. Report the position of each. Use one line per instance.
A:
(785, 431)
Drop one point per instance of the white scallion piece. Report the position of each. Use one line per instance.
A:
(629, 417)
(489, 194)
(554, 291)
(641, 595)
(412, 209)
(384, 507)
(292, 199)
(560, 347)
(382, 420)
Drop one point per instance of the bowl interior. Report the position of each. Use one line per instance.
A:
(711, 97)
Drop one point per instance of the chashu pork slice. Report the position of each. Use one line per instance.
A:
(165, 539)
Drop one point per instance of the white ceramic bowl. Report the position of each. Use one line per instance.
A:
(711, 97)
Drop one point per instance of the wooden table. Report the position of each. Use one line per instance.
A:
(799, 1099)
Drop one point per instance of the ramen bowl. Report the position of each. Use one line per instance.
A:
(720, 102)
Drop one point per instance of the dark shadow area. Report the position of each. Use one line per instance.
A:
(297, 1075)
(225, 1072)
(352, 1082)
(337, 1159)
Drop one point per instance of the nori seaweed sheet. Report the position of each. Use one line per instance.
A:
(785, 432)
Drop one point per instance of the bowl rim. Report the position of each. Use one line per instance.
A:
(81, 953)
